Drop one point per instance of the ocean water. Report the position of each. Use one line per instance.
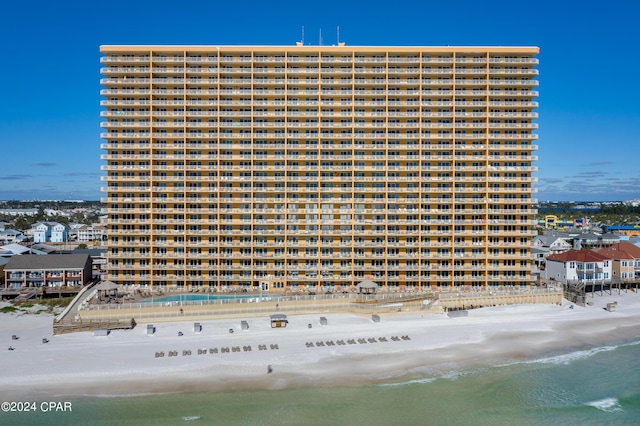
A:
(596, 386)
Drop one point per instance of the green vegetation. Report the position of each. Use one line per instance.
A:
(90, 215)
(49, 306)
(56, 302)
(597, 213)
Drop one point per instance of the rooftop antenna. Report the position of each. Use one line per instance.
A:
(320, 42)
(338, 35)
(302, 35)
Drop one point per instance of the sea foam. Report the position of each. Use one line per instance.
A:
(610, 405)
(566, 359)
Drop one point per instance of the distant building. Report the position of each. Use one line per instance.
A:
(53, 212)
(9, 250)
(42, 249)
(552, 243)
(59, 233)
(11, 236)
(69, 270)
(19, 212)
(593, 240)
(42, 232)
(50, 232)
(629, 230)
(88, 233)
(98, 258)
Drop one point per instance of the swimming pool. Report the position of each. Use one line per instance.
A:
(203, 297)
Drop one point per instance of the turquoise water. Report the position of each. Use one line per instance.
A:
(598, 386)
(199, 297)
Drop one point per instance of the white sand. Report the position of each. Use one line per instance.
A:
(124, 362)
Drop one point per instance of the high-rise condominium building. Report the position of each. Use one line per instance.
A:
(293, 167)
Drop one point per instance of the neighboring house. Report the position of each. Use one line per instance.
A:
(544, 245)
(88, 233)
(41, 232)
(3, 226)
(42, 249)
(50, 232)
(9, 250)
(552, 243)
(584, 266)
(3, 262)
(538, 256)
(625, 257)
(69, 270)
(98, 258)
(593, 240)
(11, 236)
(59, 233)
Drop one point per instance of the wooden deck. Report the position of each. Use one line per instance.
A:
(60, 328)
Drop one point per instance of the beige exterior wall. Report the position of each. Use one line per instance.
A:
(317, 167)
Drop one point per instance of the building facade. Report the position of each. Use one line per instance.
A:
(317, 167)
(89, 233)
(70, 270)
(50, 232)
(625, 259)
(579, 266)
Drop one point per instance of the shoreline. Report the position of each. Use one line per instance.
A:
(124, 363)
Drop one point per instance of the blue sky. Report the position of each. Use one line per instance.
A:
(589, 61)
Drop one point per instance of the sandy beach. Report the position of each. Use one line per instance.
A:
(348, 350)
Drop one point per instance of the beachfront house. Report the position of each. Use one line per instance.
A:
(625, 260)
(71, 270)
(578, 266)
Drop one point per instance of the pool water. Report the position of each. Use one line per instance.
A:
(200, 297)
